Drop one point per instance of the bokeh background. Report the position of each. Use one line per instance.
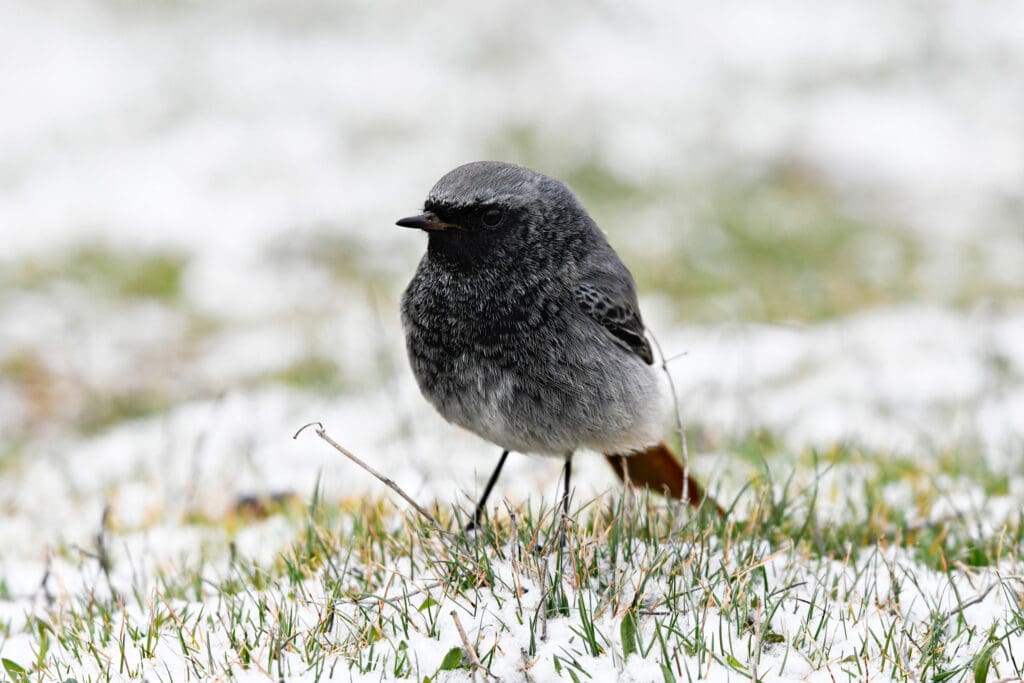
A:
(823, 204)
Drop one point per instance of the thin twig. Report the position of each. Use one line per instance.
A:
(680, 426)
(755, 659)
(44, 585)
(470, 650)
(527, 665)
(543, 607)
(387, 481)
(675, 357)
(980, 597)
(101, 555)
(675, 402)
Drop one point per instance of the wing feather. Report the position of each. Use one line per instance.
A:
(616, 311)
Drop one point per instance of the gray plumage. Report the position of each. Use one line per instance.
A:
(527, 332)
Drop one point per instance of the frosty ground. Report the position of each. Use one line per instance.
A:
(824, 220)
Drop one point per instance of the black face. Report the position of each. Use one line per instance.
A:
(472, 236)
(476, 217)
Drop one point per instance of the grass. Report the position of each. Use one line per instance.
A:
(313, 373)
(639, 587)
(47, 395)
(779, 248)
(348, 260)
(106, 270)
(96, 274)
(104, 410)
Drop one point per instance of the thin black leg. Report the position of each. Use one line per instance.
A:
(565, 500)
(565, 493)
(487, 492)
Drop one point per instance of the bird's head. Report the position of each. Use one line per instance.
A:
(489, 209)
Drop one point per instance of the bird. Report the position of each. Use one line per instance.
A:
(522, 325)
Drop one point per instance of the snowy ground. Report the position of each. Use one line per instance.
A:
(825, 217)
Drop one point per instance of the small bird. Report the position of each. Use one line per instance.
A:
(522, 326)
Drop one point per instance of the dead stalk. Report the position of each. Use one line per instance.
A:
(387, 481)
(470, 650)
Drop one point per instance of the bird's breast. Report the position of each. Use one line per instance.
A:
(460, 327)
(517, 363)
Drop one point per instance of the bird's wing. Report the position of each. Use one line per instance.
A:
(608, 296)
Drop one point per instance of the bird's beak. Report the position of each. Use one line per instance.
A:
(427, 220)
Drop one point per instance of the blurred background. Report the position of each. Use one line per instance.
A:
(823, 204)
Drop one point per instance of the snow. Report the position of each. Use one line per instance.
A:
(894, 379)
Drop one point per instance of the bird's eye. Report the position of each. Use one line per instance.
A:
(492, 217)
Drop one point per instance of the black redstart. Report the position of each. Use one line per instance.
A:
(522, 326)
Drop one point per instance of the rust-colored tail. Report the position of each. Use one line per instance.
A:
(659, 470)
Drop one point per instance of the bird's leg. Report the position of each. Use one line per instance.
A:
(565, 493)
(565, 498)
(487, 492)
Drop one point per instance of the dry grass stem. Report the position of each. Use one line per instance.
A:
(470, 650)
(387, 481)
